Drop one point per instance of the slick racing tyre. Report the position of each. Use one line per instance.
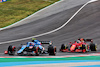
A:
(93, 47)
(11, 50)
(62, 46)
(51, 50)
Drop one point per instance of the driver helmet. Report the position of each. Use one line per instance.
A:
(33, 39)
(81, 39)
(30, 44)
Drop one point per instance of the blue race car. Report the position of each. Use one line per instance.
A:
(32, 48)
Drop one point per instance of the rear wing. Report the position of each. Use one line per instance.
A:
(88, 40)
(46, 42)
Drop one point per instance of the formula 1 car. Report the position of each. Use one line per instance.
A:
(32, 48)
(81, 45)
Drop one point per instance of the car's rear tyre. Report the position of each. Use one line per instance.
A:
(51, 50)
(62, 46)
(93, 47)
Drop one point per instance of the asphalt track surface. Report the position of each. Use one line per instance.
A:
(86, 24)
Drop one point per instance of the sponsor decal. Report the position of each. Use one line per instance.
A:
(3, 0)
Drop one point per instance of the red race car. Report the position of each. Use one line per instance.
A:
(81, 45)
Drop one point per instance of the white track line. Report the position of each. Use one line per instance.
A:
(65, 56)
(54, 29)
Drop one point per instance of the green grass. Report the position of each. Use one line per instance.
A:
(15, 10)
